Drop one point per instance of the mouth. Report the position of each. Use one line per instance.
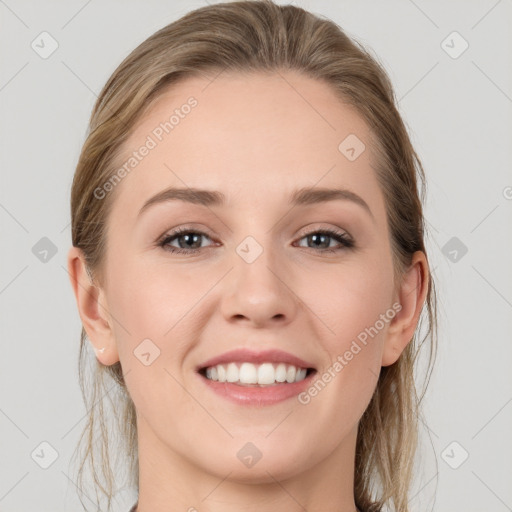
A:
(256, 375)
(258, 392)
(256, 378)
(246, 377)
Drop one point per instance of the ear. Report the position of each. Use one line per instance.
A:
(92, 308)
(411, 296)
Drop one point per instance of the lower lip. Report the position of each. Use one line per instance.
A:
(255, 395)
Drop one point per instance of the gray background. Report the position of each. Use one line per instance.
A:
(458, 111)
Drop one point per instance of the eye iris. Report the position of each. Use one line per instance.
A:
(316, 238)
(187, 236)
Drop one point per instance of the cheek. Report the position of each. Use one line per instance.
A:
(349, 298)
(150, 302)
(354, 308)
(139, 286)
(151, 305)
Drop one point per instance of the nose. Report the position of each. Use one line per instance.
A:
(259, 292)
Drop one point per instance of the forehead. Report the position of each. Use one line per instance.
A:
(247, 134)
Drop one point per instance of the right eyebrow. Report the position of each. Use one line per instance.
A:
(189, 195)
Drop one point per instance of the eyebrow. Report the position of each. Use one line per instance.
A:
(301, 197)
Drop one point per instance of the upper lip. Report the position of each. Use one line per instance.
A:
(241, 355)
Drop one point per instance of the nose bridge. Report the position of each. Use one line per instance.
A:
(259, 278)
(257, 262)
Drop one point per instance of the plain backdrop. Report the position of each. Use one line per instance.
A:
(450, 63)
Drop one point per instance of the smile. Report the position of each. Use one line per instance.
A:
(266, 374)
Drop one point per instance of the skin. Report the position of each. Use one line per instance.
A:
(256, 139)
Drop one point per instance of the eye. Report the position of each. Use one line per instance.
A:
(320, 236)
(192, 240)
(190, 236)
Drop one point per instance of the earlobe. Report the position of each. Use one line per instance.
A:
(92, 308)
(411, 296)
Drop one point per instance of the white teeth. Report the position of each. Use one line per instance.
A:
(248, 374)
(281, 372)
(232, 373)
(221, 372)
(266, 374)
(290, 374)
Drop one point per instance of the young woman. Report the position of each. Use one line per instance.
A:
(249, 266)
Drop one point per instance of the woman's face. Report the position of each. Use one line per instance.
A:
(257, 275)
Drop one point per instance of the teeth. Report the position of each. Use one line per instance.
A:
(281, 372)
(266, 374)
(290, 374)
(232, 373)
(221, 372)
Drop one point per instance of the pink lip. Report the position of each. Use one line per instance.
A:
(266, 356)
(254, 395)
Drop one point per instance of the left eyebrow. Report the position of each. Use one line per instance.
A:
(303, 196)
(306, 196)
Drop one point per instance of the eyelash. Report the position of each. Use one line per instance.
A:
(339, 236)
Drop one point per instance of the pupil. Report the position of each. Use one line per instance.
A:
(187, 237)
(316, 237)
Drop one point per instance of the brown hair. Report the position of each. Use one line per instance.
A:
(260, 36)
